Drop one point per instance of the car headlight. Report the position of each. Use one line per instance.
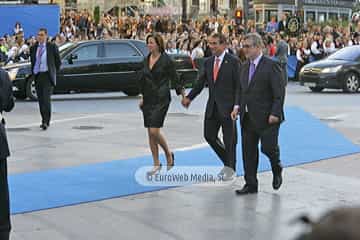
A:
(331, 69)
(12, 73)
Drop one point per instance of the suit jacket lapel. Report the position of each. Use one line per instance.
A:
(258, 68)
(245, 76)
(47, 53)
(211, 71)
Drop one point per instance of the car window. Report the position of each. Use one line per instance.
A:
(87, 52)
(64, 48)
(347, 53)
(141, 45)
(115, 50)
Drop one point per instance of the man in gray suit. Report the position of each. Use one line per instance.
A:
(282, 51)
(45, 62)
(260, 103)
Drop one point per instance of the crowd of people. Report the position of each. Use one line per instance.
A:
(232, 92)
(190, 37)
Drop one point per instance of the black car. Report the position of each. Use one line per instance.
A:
(341, 70)
(98, 66)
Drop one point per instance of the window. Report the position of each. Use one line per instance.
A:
(195, 2)
(87, 53)
(116, 50)
(259, 16)
(321, 17)
(344, 16)
(233, 4)
(70, 4)
(269, 14)
(333, 16)
(310, 16)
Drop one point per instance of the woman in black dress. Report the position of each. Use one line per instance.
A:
(159, 70)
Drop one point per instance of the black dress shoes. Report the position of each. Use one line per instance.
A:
(277, 180)
(246, 190)
(44, 126)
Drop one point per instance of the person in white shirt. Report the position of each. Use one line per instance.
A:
(171, 47)
(316, 48)
(302, 56)
(329, 47)
(197, 52)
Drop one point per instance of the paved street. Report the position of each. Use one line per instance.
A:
(94, 128)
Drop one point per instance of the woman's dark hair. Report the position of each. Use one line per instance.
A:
(158, 39)
(197, 43)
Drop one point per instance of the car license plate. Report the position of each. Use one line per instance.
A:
(310, 84)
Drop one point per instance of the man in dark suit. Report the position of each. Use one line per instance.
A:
(282, 24)
(260, 103)
(45, 62)
(282, 52)
(221, 73)
(6, 104)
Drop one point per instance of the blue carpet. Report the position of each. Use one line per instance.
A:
(303, 139)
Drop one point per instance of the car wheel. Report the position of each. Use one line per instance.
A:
(316, 89)
(132, 92)
(351, 83)
(30, 89)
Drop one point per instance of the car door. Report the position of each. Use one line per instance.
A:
(120, 66)
(80, 67)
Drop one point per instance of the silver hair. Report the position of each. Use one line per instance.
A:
(255, 39)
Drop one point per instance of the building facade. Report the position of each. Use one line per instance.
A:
(311, 10)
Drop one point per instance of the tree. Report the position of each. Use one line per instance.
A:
(97, 14)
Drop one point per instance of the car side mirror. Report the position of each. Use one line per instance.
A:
(71, 58)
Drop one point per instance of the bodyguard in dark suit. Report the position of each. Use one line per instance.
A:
(282, 51)
(45, 62)
(282, 24)
(6, 104)
(221, 74)
(260, 101)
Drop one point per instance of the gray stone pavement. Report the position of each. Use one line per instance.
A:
(194, 212)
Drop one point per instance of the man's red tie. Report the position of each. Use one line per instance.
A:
(216, 68)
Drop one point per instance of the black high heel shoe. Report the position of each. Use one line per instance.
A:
(154, 170)
(170, 166)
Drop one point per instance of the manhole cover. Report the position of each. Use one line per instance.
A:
(17, 129)
(87, 127)
(330, 120)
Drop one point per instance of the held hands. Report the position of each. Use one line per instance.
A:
(234, 114)
(273, 119)
(185, 102)
(141, 103)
